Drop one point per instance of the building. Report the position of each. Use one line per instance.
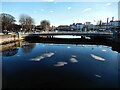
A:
(114, 23)
(87, 23)
(38, 27)
(79, 26)
(119, 10)
(74, 27)
(63, 27)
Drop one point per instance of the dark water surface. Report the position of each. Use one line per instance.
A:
(47, 65)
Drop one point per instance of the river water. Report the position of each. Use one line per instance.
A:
(49, 65)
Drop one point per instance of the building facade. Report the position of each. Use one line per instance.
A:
(114, 23)
(63, 27)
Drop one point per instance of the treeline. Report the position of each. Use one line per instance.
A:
(26, 23)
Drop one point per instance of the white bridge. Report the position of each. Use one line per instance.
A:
(101, 34)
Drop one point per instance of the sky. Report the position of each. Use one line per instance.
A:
(63, 13)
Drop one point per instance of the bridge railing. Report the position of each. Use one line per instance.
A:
(68, 32)
(71, 32)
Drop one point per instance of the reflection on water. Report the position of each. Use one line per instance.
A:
(10, 52)
(41, 65)
(67, 36)
(68, 47)
(73, 60)
(97, 75)
(60, 63)
(104, 50)
(42, 56)
(98, 58)
(28, 47)
(74, 56)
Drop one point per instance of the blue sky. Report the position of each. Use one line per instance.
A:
(63, 13)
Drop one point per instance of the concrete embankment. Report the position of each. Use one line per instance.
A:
(10, 38)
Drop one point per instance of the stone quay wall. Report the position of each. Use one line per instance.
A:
(9, 38)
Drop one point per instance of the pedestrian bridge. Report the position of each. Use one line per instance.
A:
(101, 34)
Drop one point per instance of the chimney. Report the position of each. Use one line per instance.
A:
(107, 20)
(112, 18)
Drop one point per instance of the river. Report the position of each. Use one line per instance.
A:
(50, 65)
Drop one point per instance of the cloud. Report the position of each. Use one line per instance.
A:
(87, 9)
(97, 58)
(42, 56)
(42, 10)
(51, 11)
(60, 63)
(69, 8)
(108, 4)
(48, 0)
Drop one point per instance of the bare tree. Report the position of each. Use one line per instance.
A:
(7, 20)
(45, 24)
(26, 22)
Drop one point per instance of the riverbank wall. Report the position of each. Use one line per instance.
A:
(116, 37)
(10, 38)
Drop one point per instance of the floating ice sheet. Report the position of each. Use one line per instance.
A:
(97, 57)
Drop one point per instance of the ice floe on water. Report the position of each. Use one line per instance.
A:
(73, 60)
(48, 54)
(98, 58)
(43, 45)
(42, 56)
(74, 56)
(84, 45)
(60, 63)
(97, 75)
(37, 58)
(68, 47)
(51, 44)
(104, 50)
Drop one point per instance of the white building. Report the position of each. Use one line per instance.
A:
(114, 23)
(74, 26)
(79, 25)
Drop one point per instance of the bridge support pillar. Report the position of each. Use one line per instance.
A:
(116, 36)
(49, 36)
(82, 37)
